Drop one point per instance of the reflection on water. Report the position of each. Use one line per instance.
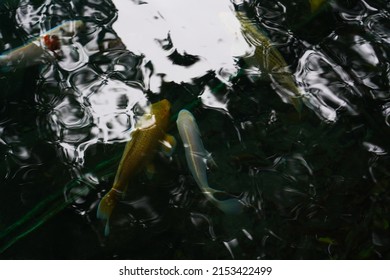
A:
(291, 99)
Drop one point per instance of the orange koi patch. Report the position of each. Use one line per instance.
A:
(52, 42)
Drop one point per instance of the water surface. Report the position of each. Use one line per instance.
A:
(312, 169)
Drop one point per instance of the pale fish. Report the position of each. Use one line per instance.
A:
(269, 59)
(197, 157)
(32, 52)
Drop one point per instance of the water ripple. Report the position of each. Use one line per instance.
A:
(314, 180)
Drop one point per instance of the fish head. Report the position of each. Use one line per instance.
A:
(185, 118)
(185, 115)
(156, 114)
(186, 122)
(161, 109)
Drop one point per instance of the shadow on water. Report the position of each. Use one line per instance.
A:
(299, 137)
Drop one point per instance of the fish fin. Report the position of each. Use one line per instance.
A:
(150, 170)
(210, 161)
(168, 145)
(230, 206)
(297, 103)
(107, 228)
(226, 203)
(105, 208)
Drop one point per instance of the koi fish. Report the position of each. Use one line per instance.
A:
(197, 157)
(52, 42)
(269, 58)
(150, 131)
(29, 53)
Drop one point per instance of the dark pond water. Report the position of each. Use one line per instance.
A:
(292, 100)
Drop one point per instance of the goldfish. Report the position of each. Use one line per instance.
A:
(197, 158)
(50, 41)
(269, 58)
(148, 134)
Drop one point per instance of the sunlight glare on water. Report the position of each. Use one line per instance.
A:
(158, 21)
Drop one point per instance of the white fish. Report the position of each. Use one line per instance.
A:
(197, 157)
(32, 52)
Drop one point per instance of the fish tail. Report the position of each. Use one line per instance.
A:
(297, 103)
(105, 208)
(230, 206)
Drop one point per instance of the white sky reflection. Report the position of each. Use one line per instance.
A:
(208, 29)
